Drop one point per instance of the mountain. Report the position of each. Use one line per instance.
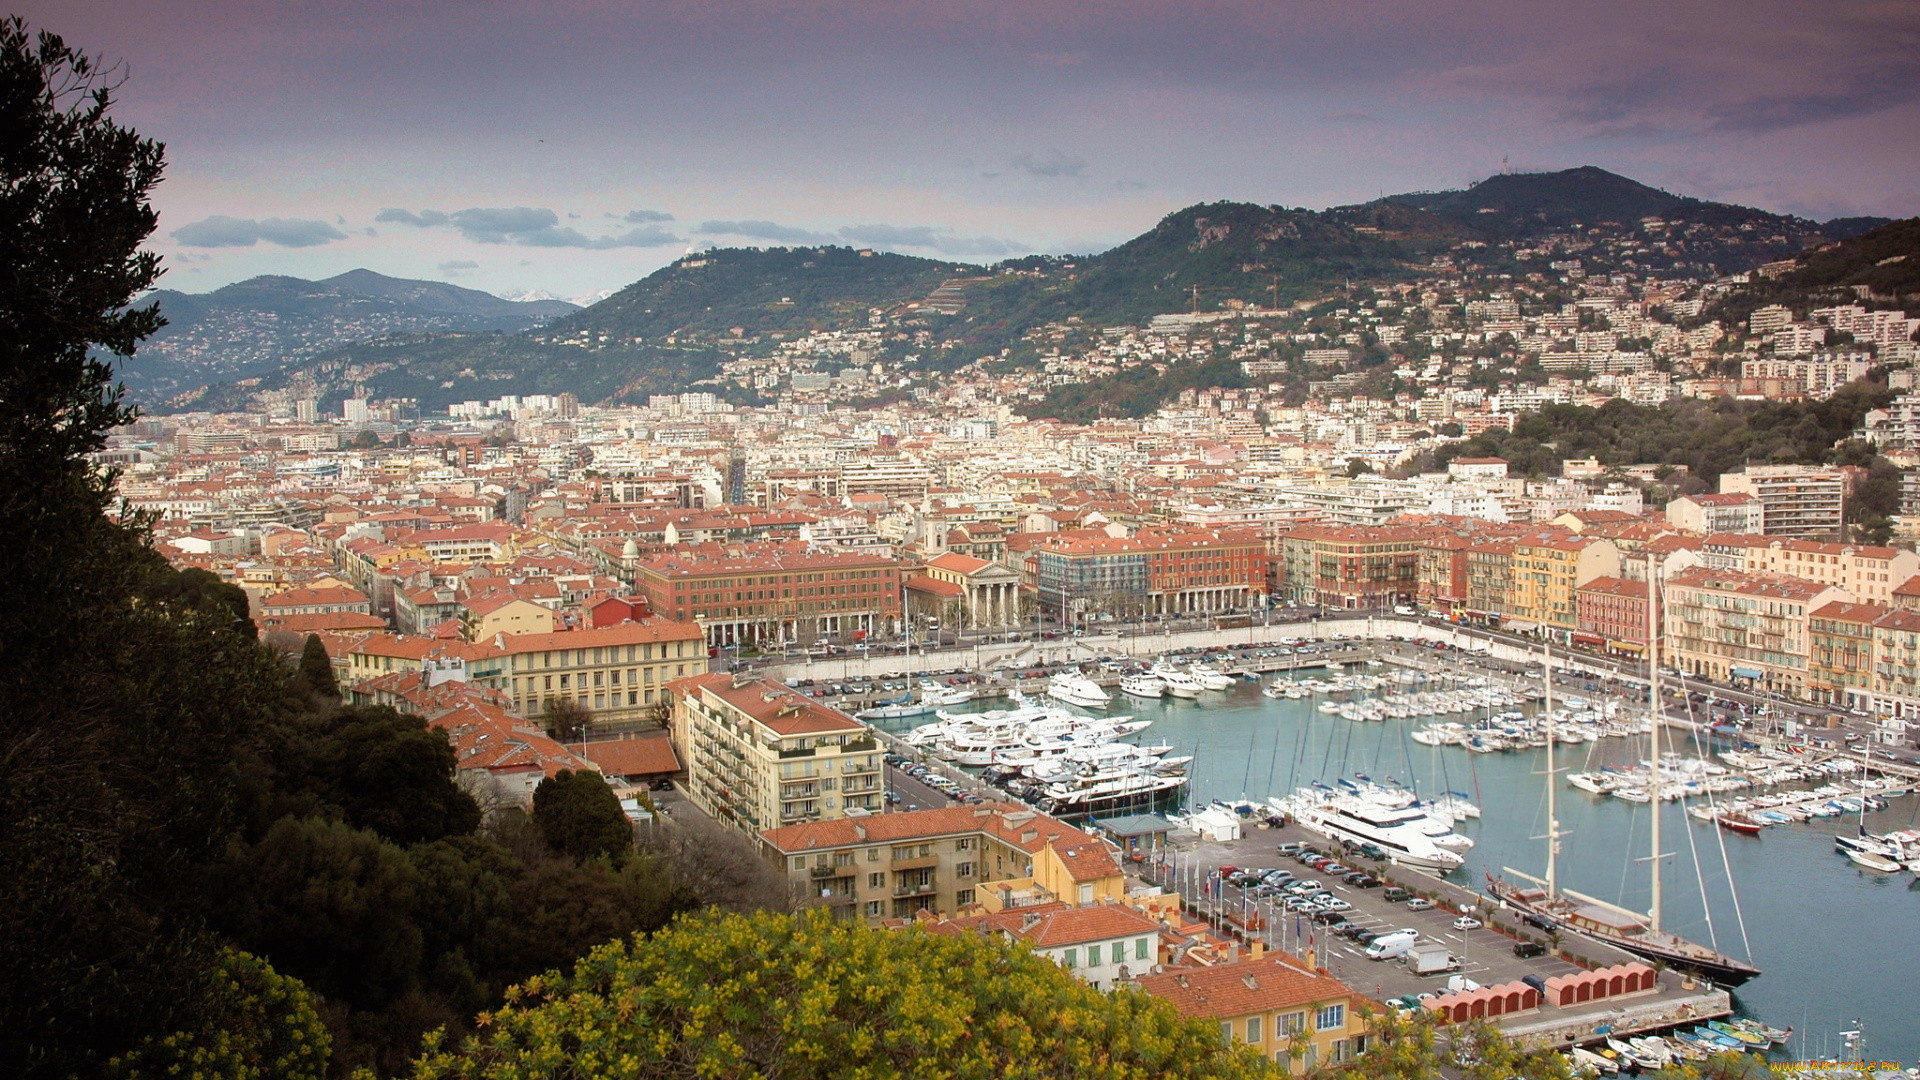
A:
(770, 290)
(1880, 268)
(268, 323)
(1211, 256)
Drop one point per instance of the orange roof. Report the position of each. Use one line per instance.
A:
(325, 620)
(625, 633)
(646, 755)
(923, 583)
(958, 563)
(1058, 926)
(776, 706)
(332, 594)
(1271, 983)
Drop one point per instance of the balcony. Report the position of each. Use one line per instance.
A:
(915, 888)
(922, 862)
(822, 872)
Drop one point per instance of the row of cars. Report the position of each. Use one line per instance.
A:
(932, 778)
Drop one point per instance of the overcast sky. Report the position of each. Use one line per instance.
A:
(575, 145)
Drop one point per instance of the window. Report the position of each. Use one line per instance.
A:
(1226, 1031)
(1139, 948)
(1342, 1050)
(1086, 894)
(964, 870)
(962, 897)
(799, 863)
(1330, 1017)
(873, 909)
(1253, 1029)
(1093, 956)
(965, 843)
(876, 881)
(873, 854)
(1290, 1023)
(1071, 959)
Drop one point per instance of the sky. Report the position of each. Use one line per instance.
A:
(570, 147)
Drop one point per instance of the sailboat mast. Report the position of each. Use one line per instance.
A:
(1653, 697)
(1553, 823)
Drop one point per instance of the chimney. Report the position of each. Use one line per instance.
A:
(1258, 949)
(860, 830)
(1030, 920)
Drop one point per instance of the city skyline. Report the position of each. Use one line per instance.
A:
(572, 149)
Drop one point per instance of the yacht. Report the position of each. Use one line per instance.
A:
(1401, 832)
(1143, 686)
(1178, 683)
(1076, 689)
(1210, 678)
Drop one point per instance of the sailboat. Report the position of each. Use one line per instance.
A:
(1640, 934)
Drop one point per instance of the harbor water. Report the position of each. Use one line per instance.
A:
(1837, 944)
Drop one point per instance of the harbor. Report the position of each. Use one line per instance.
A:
(1744, 895)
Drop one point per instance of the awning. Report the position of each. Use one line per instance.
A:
(1746, 673)
(1627, 646)
(1588, 639)
(1521, 626)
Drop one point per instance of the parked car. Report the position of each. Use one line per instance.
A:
(1526, 950)
(1419, 903)
(1467, 922)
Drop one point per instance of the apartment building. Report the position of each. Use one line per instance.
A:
(1352, 568)
(1840, 666)
(760, 755)
(1800, 501)
(1611, 614)
(1752, 628)
(775, 592)
(1103, 945)
(618, 672)
(1545, 573)
(1708, 513)
(996, 856)
(1870, 572)
(1298, 1018)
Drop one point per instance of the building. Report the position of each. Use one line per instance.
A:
(760, 755)
(1735, 512)
(619, 672)
(1840, 667)
(1800, 501)
(1351, 568)
(996, 856)
(1870, 572)
(1545, 572)
(1297, 1017)
(1611, 614)
(985, 594)
(775, 592)
(1103, 945)
(321, 600)
(1743, 628)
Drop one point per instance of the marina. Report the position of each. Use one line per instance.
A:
(1808, 916)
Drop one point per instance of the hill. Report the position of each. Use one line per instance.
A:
(1879, 268)
(267, 323)
(1210, 256)
(761, 290)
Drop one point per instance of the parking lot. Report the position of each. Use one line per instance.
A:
(1483, 954)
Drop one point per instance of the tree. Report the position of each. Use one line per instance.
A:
(566, 719)
(316, 668)
(580, 817)
(802, 996)
(269, 1031)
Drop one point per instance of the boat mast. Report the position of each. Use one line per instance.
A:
(1653, 696)
(1553, 824)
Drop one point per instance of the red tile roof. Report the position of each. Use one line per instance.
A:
(1269, 984)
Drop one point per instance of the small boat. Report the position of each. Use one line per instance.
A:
(1710, 1037)
(1633, 1055)
(1873, 861)
(1593, 1062)
(1773, 1034)
(1744, 1038)
(1734, 821)
(1274, 690)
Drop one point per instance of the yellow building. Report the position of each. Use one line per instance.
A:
(488, 616)
(1545, 573)
(942, 861)
(760, 754)
(1273, 1003)
(1752, 629)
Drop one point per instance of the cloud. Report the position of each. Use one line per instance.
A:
(524, 226)
(458, 265)
(1050, 164)
(221, 231)
(425, 219)
(765, 230)
(642, 217)
(926, 236)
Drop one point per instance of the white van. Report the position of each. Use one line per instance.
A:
(1390, 946)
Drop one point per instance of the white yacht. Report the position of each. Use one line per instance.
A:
(1076, 689)
(1402, 833)
(1178, 683)
(1143, 686)
(1210, 677)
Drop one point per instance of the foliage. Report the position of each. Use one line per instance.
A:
(1885, 260)
(382, 770)
(1708, 437)
(580, 816)
(267, 1030)
(316, 668)
(1137, 392)
(780, 996)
